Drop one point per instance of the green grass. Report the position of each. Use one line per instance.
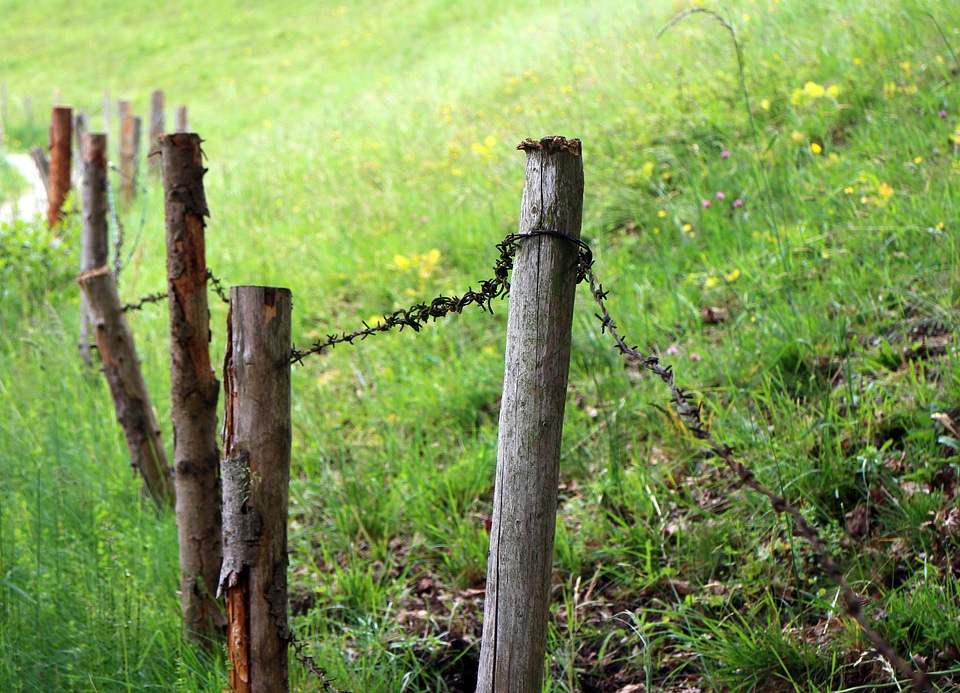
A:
(817, 322)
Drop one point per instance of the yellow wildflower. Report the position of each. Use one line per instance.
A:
(813, 90)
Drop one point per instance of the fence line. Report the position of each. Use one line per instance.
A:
(683, 401)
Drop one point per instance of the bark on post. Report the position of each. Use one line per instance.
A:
(58, 185)
(194, 388)
(93, 238)
(517, 602)
(181, 121)
(157, 128)
(256, 472)
(130, 397)
(129, 150)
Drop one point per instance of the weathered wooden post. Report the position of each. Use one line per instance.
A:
(256, 473)
(157, 128)
(93, 235)
(130, 397)
(181, 119)
(520, 564)
(129, 150)
(129, 157)
(194, 388)
(58, 185)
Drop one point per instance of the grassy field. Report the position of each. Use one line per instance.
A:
(785, 237)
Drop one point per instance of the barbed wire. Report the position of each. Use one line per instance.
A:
(217, 285)
(120, 234)
(144, 300)
(213, 280)
(306, 661)
(683, 402)
(692, 415)
(416, 316)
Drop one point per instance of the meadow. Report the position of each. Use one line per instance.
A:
(784, 234)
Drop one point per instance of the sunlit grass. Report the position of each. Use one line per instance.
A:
(797, 266)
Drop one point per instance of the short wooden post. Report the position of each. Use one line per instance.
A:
(256, 473)
(181, 120)
(517, 601)
(129, 390)
(129, 152)
(61, 131)
(157, 128)
(93, 235)
(194, 388)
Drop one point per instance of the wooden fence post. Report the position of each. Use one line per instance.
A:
(129, 150)
(256, 474)
(157, 128)
(520, 564)
(61, 132)
(194, 388)
(93, 235)
(181, 121)
(130, 397)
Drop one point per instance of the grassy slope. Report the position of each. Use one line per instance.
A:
(339, 138)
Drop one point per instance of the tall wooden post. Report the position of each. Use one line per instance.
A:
(61, 130)
(130, 397)
(194, 388)
(93, 235)
(157, 128)
(256, 474)
(181, 121)
(517, 602)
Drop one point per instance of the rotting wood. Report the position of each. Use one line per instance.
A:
(93, 235)
(256, 471)
(542, 292)
(58, 183)
(131, 399)
(194, 389)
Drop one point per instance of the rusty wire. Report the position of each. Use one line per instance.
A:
(416, 316)
(683, 402)
(691, 413)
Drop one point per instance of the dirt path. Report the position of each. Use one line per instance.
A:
(32, 202)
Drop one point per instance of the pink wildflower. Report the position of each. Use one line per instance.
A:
(721, 196)
(725, 154)
(737, 203)
(706, 204)
(672, 349)
(694, 356)
(942, 114)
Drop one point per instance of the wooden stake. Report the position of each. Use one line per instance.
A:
(130, 129)
(93, 236)
(256, 473)
(129, 390)
(157, 128)
(517, 602)
(194, 388)
(61, 129)
(181, 122)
